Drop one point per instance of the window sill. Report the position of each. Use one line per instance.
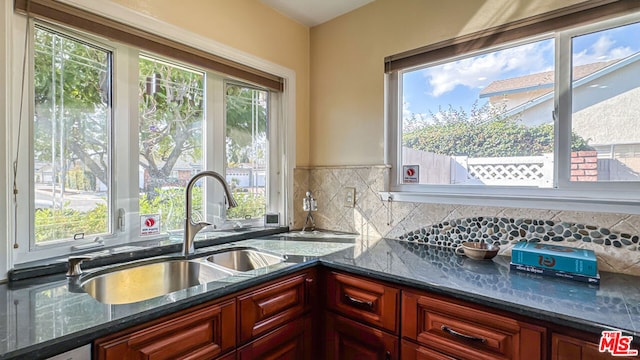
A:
(527, 201)
(110, 255)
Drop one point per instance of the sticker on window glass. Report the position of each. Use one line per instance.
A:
(411, 174)
(149, 224)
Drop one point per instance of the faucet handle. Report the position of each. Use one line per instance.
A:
(74, 264)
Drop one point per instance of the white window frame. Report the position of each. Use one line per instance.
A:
(565, 195)
(7, 110)
(125, 193)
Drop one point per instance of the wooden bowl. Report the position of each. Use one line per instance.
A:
(478, 250)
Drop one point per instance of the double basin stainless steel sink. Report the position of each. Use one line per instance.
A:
(147, 279)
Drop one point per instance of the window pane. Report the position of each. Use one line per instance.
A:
(247, 156)
(481, 120)
(70, 137)
(605, 113)
(171, 118)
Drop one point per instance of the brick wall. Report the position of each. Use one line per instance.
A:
(584, 166)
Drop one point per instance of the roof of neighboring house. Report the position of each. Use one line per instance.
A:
(539, 81)
(610, 67)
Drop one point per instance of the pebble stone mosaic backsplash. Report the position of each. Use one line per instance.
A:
(503, 231)
(612, 236)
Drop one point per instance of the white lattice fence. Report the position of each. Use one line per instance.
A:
(520, 170)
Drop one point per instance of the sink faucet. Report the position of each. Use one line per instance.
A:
(74, 262)
(191, 228)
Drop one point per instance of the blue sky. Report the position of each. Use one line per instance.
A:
(459, 84)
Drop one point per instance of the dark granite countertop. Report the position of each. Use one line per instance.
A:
(614, 304)
(42, 317)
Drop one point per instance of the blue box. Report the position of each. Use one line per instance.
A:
(594, 280)
(558, 258)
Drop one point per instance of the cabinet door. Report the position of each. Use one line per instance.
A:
(363, 300)
(229, 356)
(202, 334)
(274, 305)
(463, 331)
(570, 348)
(289, 342)
(411, 351)
(347, 339)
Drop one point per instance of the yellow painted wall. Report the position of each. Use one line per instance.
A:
(252, 27)
(347, 64)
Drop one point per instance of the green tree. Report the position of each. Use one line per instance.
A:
(171, 109)
(246, 139)
(70, 129)
(71, 122)
(246, 122)
(483, 132)
(72, 101)
(171, 118)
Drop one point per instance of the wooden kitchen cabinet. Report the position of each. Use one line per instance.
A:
(229, 356)
(362, 318)
(206, 333)
(365, 300)
(411, 351)
(565, 347)
(275, 304)
(466, 331)
(291, 341)
(348, 339)
(275, 309)
(361, 321)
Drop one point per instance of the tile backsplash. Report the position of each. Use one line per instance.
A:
(613, 237)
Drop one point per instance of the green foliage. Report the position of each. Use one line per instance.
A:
(71, 131)
(485, 132)
(65, 223)
(72, 101)
(242, 105)
(171, 118)
(79, 179)
(169, 203)
(249, 205)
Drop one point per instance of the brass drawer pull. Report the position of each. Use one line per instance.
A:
(462, 336)
(358, 302)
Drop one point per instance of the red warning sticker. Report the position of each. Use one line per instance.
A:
(411, 174)
(149, 224)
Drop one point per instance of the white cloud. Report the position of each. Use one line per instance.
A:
(479, 71)
(406, 112)
(602, 50)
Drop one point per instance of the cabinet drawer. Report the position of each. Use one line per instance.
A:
(348, 339)
(453, 328)
(364, 300)
(291, 341)
(202, 334)
(269, 307)
(411, 351)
